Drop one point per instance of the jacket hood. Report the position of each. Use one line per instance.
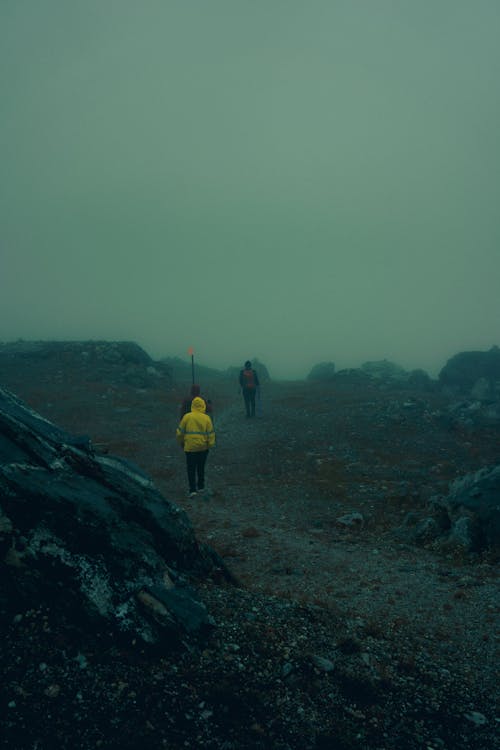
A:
(197, 404)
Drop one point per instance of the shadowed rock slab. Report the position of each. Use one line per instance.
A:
(91, 536)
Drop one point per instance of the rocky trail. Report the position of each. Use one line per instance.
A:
(276, 524)
(341, 633)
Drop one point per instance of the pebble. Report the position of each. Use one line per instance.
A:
(324, 664)
(477, 718)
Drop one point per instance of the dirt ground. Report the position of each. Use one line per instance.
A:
(278, 485)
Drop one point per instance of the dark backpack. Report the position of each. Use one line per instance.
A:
(248, 380)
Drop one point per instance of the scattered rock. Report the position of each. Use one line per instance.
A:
(473, 509)
(353, 519)
(466, 520)
(325, 665)
(476, 718)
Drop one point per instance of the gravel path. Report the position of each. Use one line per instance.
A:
(338, 637)
(278, 532)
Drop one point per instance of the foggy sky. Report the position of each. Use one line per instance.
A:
(296, 181)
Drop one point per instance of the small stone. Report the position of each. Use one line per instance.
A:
(52, 691)
(81, 660)
(321, 663)
(351, 519)
(477, 718)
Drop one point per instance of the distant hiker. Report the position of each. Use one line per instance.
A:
(186, 404)
(249, 383)
(196, 435)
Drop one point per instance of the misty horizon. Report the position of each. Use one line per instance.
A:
(257, 361)
(299, 183)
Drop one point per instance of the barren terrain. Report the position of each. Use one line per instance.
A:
(408, 619)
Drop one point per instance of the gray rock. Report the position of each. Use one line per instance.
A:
(321, 372)
(465, 520)
(92, 536)
(465, 534)
(462, 372)
(353, 519)
(472, 414)
(420, 380)
(473, 507)
(476, 718)
(426, 530)
(482, 390)
(384, 370)
(321, 663)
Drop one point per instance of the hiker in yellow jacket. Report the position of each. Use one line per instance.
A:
(196, 435)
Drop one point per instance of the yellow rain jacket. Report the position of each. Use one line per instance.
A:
(196, 431)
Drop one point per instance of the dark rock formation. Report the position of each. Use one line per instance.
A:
(472, 382)
(126, 352)
(352, 376)
(473, 510)
(92, 537)
(466, 520)
(471, 413)
(473, 370)
(106, 361)
(384, 370)
(323, 371)
(419, 380)
(387, 375)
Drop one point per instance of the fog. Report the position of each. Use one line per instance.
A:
(295, 181)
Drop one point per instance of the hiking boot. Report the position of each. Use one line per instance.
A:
(192, 494)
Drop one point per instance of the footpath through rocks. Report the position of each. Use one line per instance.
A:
(341, 632)
(304, 503)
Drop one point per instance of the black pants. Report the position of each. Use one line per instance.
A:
(249, 398)
(195, 465)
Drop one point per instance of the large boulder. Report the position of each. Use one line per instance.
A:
(473, 373)
(419, 380)
(473, 509)
(466, 520)
(322, 372)
(384, 370)
(91, 536)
